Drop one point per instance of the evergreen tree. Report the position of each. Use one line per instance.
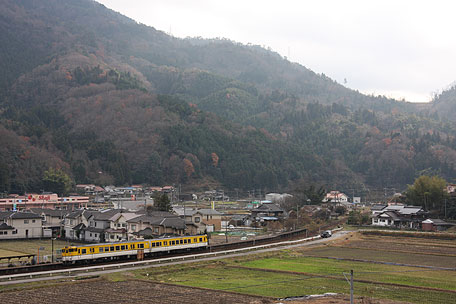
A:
(57, 181)
(162, 203)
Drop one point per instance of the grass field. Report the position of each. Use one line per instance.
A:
(363, 271)
(17, 247)
(404, 257)
(280, 285)
(305, 271)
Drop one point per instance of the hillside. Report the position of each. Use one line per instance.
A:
(109, 100)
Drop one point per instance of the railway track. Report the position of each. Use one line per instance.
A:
(271, 240)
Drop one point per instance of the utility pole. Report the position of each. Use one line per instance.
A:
(351, 285)
(445, 209)
(297, 216)
(52, 249)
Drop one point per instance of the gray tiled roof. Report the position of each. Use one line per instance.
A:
(93, 229)
(208, 212)
(105, 215)
(74, 214)
(4, 226)
(25, 215)
(269, 207)
(176, 223)
(51, 212)
(377, 207)
(5, 215)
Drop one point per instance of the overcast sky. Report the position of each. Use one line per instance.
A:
(402, 49)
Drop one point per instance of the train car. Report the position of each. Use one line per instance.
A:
(91, 252)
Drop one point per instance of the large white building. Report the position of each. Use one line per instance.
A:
(51, 201)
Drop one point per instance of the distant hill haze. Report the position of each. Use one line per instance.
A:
(111, 101)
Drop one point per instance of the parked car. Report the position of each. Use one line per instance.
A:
(326, 234)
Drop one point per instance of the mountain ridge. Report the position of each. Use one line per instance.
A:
(106, 94)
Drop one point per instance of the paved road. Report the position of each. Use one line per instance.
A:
(337, 235)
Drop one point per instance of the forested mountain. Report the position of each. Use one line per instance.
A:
(109, 100)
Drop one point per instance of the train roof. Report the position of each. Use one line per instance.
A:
(134, 241)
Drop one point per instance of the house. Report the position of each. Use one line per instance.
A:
(399, 216)
(89, 189)
(267, 212)
(155, 224)
(209, 217)
(52, 219)
(206, 220)
(21, 225)
(451, 188)
(118, 228)
(97, 223)
(377, 209)
(335, 197)
(75, 222)
(268, 209)
(435, 225)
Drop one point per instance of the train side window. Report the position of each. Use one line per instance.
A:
(84, 251)
(189, 241)
(117, 247)
(201, 239)
(100, 249)
(153, 244)
(195, 240)
(79, 251)
(141, 245)
(165, 243)
(185, 241)
(122, 247)
(181, 241)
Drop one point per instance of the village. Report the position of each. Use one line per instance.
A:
(113, 214)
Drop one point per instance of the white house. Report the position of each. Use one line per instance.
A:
(20, 225)
(335, 197)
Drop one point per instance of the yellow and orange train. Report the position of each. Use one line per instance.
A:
(92, 252)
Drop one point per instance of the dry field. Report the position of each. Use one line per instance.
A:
(133, 291)
(96, 291)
